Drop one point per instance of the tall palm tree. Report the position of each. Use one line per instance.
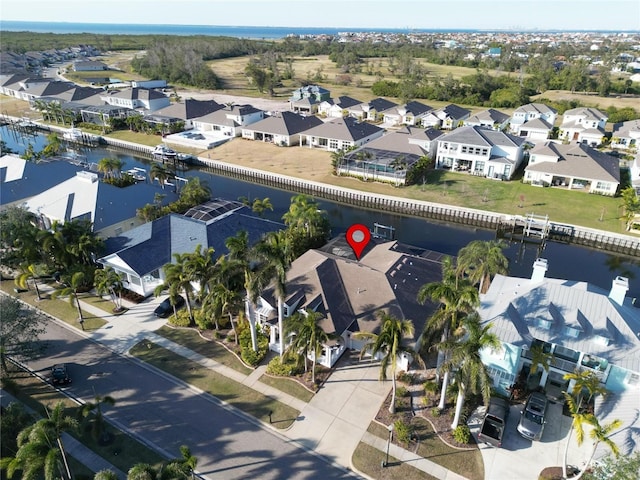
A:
(108, 281)
(105, 475)
(160, 173)
(539, 359)
(457, 297)
(585, 379)
(579, 420)
(40, 448)
(178, 278)
(142, 471)
(183, 467)
(274, 252)
(481, 260)
(600, 434)
(464, 355)
(388, 343)
(71, 290)
(93, 412)
(260, 205)
(308, 337)
(29, 272)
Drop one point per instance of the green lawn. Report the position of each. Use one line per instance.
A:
(288, 385)
(123, 452)
(223, 388)
(368, 460)
(467, 463)
(213, 350)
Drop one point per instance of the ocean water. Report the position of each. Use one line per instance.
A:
(213, 30)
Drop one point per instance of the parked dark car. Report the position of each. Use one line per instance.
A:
(59, 375)
(532, 417)
(166, 308)
(494, 423)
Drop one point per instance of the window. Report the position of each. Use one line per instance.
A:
(602, 186)
(464, 149)
(633, 379)
(573, 332)
(544, 323)
(333, 144)
(566, 353)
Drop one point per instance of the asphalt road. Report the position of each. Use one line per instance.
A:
(168, 414)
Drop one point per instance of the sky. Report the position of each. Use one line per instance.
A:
(516, 15)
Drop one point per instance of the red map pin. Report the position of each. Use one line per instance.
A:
(358, 237)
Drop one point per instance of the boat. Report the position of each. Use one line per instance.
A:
(73, 135)
(186, 157)
(164, 152)
(138, 174)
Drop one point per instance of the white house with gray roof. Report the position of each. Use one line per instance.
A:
(490, 118)
(573, 166)
(584, 125)
(626, 135)
(372, 111)
(135, 98)
(341, 134)
(411, 113)
(282, 128)
(448, 117)
(533, 121)
(480, 151)
(228, 121)
(582, 326)
(337, 107)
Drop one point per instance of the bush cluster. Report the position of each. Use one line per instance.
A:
(403, 430)
(249, 356)
(462, 434)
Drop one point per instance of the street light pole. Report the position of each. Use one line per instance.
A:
(385, 462)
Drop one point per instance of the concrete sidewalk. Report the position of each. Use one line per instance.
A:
(332, 424)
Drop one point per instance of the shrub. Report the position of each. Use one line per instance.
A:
(282, 367)
(181, 319)
(435, 412)
(405, 377)
(200, 317)
(402, 392)
(247, 353)
(403, 431)
(462, 434)
(430, 387)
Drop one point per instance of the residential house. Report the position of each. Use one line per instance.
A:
(112, 210)
(282, 128)
(410, 113)
(21, 180)
(139, 254)
(583, 327)
(573, 166)
(184, 111)
(425, 138)
(228, 121)
(36, 90)
(490, 118)
(307, 99)
(480, 151)
(522, 121)
(584, 125)
(99, 114)
(136, 98)
(341, 134)
(88, 66)
(372, 111)
(385, 159)
(338, 107)
(448, 117)
(626, 135)
(350, 293)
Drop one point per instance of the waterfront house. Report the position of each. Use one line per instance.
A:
(584, 125)
(425, 138)
(110, 209)
(448, 117)
(228, 121)
(411, 113)
(184, 112)
(583, 327)
(480, 151)
(338, 107)
(341, 134)
(349, 293)
(282, 128)
(139, 254)
(136, 98)
(385, 159)
(574, 166)
(626, 135)
(490, 118)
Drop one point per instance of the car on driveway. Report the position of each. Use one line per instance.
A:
(533, 415)
(59, 375)
(166, 308)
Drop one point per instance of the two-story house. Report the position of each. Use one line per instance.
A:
(480, 151)
(410, 113)
(228, 121)
(533, 121)
(372, 111)
(448, 117)
(626, 135)
(307, 99)
(584, 125)
(337, 107)
(574, 167)
(490, 118)
(136, 98)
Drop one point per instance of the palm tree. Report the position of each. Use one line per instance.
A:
(71, 290)
(142, 471)
(108, 281)
(464, 355)
(97, 421)
(457, 297)
(183, 467)
(29, 273)
(53, 146)
(601, 433)
(539, 358)
(105, 475)
(481, 260)
(40, 448)
(160, 173)
(585, 379)
(309, 337)
(260, 205)
(178, 278)
(577, 424)
(389, 343)
(275, 254)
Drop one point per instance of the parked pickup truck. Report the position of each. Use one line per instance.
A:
(494, 423)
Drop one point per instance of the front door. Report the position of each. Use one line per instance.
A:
(490, 172)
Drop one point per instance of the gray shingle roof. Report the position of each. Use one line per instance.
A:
(482, 136)
(285, 123)
(189, 109)
(576, 160)
(346, 129)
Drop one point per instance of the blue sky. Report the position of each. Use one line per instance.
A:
(473, 14)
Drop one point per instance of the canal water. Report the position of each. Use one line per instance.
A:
(565, 261)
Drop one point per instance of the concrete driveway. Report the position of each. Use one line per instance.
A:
(523, 459)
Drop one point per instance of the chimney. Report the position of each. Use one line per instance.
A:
(539, 270)
(619, 289)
